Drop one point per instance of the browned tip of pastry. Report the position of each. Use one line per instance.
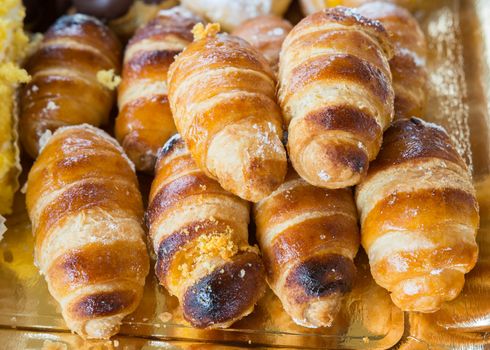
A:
(320, 282)
(324, 275)
(227, 294)
(98, 314)
(331, 162)
(256, 161)
(173, 143)
(201, 32)
(103, 304)
(427, 293)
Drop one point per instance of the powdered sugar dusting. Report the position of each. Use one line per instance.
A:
(398, 263)
(51, 106)
(265, 138)
(276, 32)
(436, 126)
(436, 272)
(322, 174)
(352, 12)
(44, 139)
(411, 288)
(419, 61)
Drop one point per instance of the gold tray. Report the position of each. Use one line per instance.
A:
(458, 96)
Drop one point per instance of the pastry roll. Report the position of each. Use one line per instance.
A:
(231, 13)
(64, 89)
(265, 33)
(86, 212)
(222, 96)
(408, 65)
(419, 216)
(308, 237)
(145, 121)
(310, 6)
(336, 93)
(200, 235)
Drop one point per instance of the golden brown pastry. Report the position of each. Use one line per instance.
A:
(86, 212)
(200, 235)
(309, 238)
(419, 216)
(222, 96)
(265, 33)
(336, 95)
(311, 6)
(231, 13)
(64, 89)
(408, 65)
(145, 121)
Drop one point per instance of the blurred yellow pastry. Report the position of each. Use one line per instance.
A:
(13, 43)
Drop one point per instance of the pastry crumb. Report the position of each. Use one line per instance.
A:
(108, 78)
(365, 340)
(12, 74)
(201, 32)
(184, 270)
(51, 106)
(116, 343)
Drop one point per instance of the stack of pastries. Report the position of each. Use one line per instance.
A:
(310, 130)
